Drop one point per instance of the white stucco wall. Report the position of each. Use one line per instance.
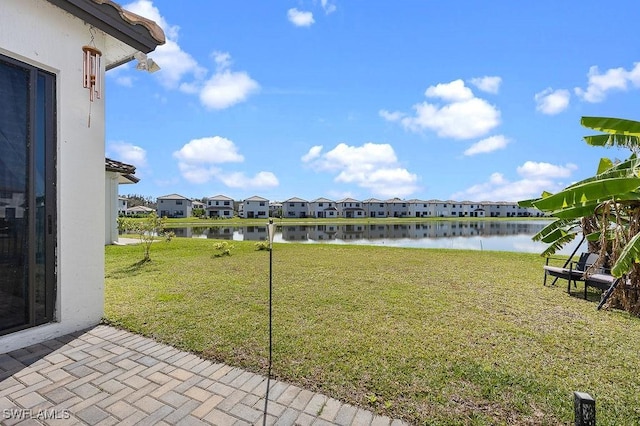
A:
(111, 207)
(40, 34)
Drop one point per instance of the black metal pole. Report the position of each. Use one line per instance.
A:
(266, 397)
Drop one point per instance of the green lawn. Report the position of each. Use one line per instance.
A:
(431, 336)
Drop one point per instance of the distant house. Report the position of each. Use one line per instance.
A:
(397, 208)
(123, 205)
(374, 208)
(195, 204)
(174, 205)
(138, 211)
(275, 209)
(418, 208)
(255, 207)
(472, 209)
(219, 206)
(295, 208)
(350, 208)
(56, 197)
(323, 208)
(116, 174)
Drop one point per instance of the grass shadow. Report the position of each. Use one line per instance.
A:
(130, 270)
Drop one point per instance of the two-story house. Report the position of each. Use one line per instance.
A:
(374, 208)
(350, 208)
(174, 205)
(219, 206)
(255, 207)
(323, 208)
(397, 208)
(295, 207)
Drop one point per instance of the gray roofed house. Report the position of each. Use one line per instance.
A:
(295, 208)
(323, 208)
(174, 205)
(254, 207)
(219, 206)
(350, 208)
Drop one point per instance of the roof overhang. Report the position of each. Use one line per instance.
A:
(140, 33)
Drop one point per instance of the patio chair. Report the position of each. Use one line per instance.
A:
(571, 270)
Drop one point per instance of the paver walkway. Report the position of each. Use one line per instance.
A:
(106, 376)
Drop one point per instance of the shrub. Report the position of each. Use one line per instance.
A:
(223, 249)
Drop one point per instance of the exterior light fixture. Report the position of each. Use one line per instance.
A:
(145, 63)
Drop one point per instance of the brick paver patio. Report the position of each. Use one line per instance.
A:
(106, 376)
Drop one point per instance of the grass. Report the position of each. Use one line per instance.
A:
(432, 336)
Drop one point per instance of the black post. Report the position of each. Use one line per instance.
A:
(271, 230)
(584, 407)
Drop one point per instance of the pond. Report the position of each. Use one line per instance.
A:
(473, 235)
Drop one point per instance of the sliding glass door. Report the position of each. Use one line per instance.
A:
(27, 196)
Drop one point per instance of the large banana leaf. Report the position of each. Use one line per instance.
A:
(630, 255)
(621, 141)
(556, 245)
(562, 224)
(587, 193)
(604, 165)
(627, 168)
(619, 132)
(614, 126)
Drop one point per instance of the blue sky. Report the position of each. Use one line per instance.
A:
(461, 100)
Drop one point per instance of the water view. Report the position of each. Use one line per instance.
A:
(473, 235)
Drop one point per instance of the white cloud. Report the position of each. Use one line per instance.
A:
(220, 90)
(489, 144)
(222, 59)
(227, 88)
(452, 92)
(328, 7)
(551, 101)
(313, 153)
(613, 79)
(391, 116)
(240, 180)
(198, 173)
(487, 84)
(532, 169)
(200, 160)
(300, 18)
(175, 64)
(534, 179)
(127, 153)
(211, 150)
(371, 166)
(464, 116)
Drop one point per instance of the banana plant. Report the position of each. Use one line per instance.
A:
(612, 195)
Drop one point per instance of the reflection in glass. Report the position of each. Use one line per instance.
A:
(14, 99)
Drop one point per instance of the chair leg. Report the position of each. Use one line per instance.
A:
(585, 290)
